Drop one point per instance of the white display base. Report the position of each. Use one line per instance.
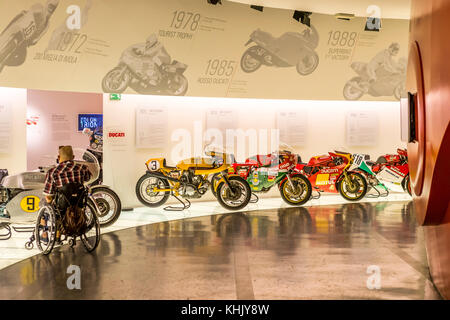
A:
(13, 250)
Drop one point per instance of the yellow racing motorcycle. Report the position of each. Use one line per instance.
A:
(190, 179)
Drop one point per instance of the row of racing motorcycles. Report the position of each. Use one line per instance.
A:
(236, 184)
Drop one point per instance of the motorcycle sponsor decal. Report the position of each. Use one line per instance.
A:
(322, 179)
(401, 174)
(329, 170)
(30, 204)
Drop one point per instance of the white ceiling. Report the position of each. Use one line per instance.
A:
(394, 9)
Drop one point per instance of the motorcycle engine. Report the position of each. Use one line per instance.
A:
(193, 186)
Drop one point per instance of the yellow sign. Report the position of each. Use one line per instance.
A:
(30, 204)
(322, 179)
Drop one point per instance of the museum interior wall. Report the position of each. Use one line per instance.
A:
(13, 143)
(54, 122)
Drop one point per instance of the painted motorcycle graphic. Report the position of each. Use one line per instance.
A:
(25, 30)
(130, 72)
(288, 50)
(386, 84)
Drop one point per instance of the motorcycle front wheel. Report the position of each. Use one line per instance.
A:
(214, 180)
(248, 63)
(351, 91)
(308, 63)
(116, 81)
(237, 198)
(357, 190)
(109, 205)
(145, 194)
(178, 85)
(299, 193)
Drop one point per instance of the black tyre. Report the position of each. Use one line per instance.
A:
(145, 194)
(248, 63)
(108, 204)
(114, 82)
(407, 185)
(298, 195)
(45, 230)
(359, 189)
(91, 238)
(237, 199)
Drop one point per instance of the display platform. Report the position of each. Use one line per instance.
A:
(13, 250)
(314, 252)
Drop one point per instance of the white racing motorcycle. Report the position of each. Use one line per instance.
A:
(21, 196)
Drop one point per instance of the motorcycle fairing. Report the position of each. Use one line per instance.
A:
(289, 47)
(15, 210)
(25, 180)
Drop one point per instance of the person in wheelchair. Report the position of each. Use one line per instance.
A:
(64, 188)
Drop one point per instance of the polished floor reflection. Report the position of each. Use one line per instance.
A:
(325, 252)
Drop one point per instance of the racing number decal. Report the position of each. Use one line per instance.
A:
(358, 159)
(30, 204)
(322, 179)
(154, 165)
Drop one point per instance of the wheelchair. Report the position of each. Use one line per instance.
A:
(52, 225)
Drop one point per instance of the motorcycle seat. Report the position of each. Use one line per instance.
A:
(371, 163)
(167, 166)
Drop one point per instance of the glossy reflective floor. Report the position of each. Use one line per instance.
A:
(326, 252)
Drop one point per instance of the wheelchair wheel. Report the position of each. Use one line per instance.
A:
(45, 231)
(91, 237)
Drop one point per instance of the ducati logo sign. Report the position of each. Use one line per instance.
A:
(116, 134)
(30, 204)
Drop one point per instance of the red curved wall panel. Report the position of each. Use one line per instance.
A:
(429, 154)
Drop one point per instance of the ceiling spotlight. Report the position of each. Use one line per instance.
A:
(214, 2)
(303, 17)
(344, 16)
(259, 8)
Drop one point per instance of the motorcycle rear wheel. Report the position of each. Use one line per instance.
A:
(248, 63)
(144, 195)
(350, 92)
(110, 80)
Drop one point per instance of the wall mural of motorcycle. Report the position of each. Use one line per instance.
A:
(147, 68)
(381, 76)
(290, 49)
(25, 30)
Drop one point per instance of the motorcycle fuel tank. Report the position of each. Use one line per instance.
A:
(25, 180)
